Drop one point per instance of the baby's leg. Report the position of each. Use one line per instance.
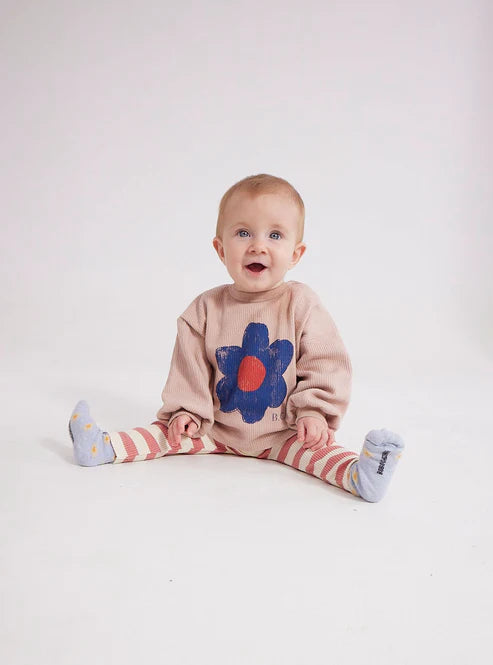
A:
(143, 443)
(330, 463)
(92, 446)
(366, 475)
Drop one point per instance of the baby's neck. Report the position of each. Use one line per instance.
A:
(257, 296)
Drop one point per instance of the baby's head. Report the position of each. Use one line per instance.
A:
(259, 231)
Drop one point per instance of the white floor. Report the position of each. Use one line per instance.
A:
(216, 559)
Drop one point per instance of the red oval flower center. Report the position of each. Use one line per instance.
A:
(251, 374)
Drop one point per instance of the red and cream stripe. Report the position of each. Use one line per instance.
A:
(331, 463)
(144, 443)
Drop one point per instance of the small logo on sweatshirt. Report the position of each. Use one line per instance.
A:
(383, 462)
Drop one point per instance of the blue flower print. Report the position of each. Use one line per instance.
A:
(253, 379)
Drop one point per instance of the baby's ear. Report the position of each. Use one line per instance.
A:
(218, 246)
(298, 252)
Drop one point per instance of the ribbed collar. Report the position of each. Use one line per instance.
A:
(259, 296)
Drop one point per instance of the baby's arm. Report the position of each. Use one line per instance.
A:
(187, 398)
(323, 371)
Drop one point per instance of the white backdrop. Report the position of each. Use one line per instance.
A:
(123, 124)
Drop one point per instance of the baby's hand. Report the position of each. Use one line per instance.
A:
(181, 425)
(314, 433)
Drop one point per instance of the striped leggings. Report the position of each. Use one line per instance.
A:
(331, 464)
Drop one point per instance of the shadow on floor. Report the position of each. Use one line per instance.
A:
(61, 450)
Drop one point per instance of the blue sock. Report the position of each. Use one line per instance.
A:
(92, 446)
(371, 474)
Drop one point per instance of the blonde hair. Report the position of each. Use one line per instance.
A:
(262, 183)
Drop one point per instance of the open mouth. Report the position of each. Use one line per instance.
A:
(255, 267)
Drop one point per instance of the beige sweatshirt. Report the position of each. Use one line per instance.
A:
(247, 366)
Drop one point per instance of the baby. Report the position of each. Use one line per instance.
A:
(258, 368)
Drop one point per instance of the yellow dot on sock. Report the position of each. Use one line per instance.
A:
(88, 426)
(399, 456)
(75, 416)
(106, 439)
(94, 449)
(355, 476)
(367, 452)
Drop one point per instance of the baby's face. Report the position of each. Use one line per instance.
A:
(259, 242)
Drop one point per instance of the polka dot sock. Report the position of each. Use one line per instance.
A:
(371, 474)
(92, 446)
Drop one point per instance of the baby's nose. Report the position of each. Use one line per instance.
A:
(257, 245)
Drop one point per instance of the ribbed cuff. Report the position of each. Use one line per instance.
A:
(306, 413)
(196, 420)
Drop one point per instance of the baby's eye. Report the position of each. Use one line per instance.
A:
(275, 235)
(242, 233)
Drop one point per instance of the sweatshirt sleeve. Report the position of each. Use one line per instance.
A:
(188, 387)
(323, 372)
